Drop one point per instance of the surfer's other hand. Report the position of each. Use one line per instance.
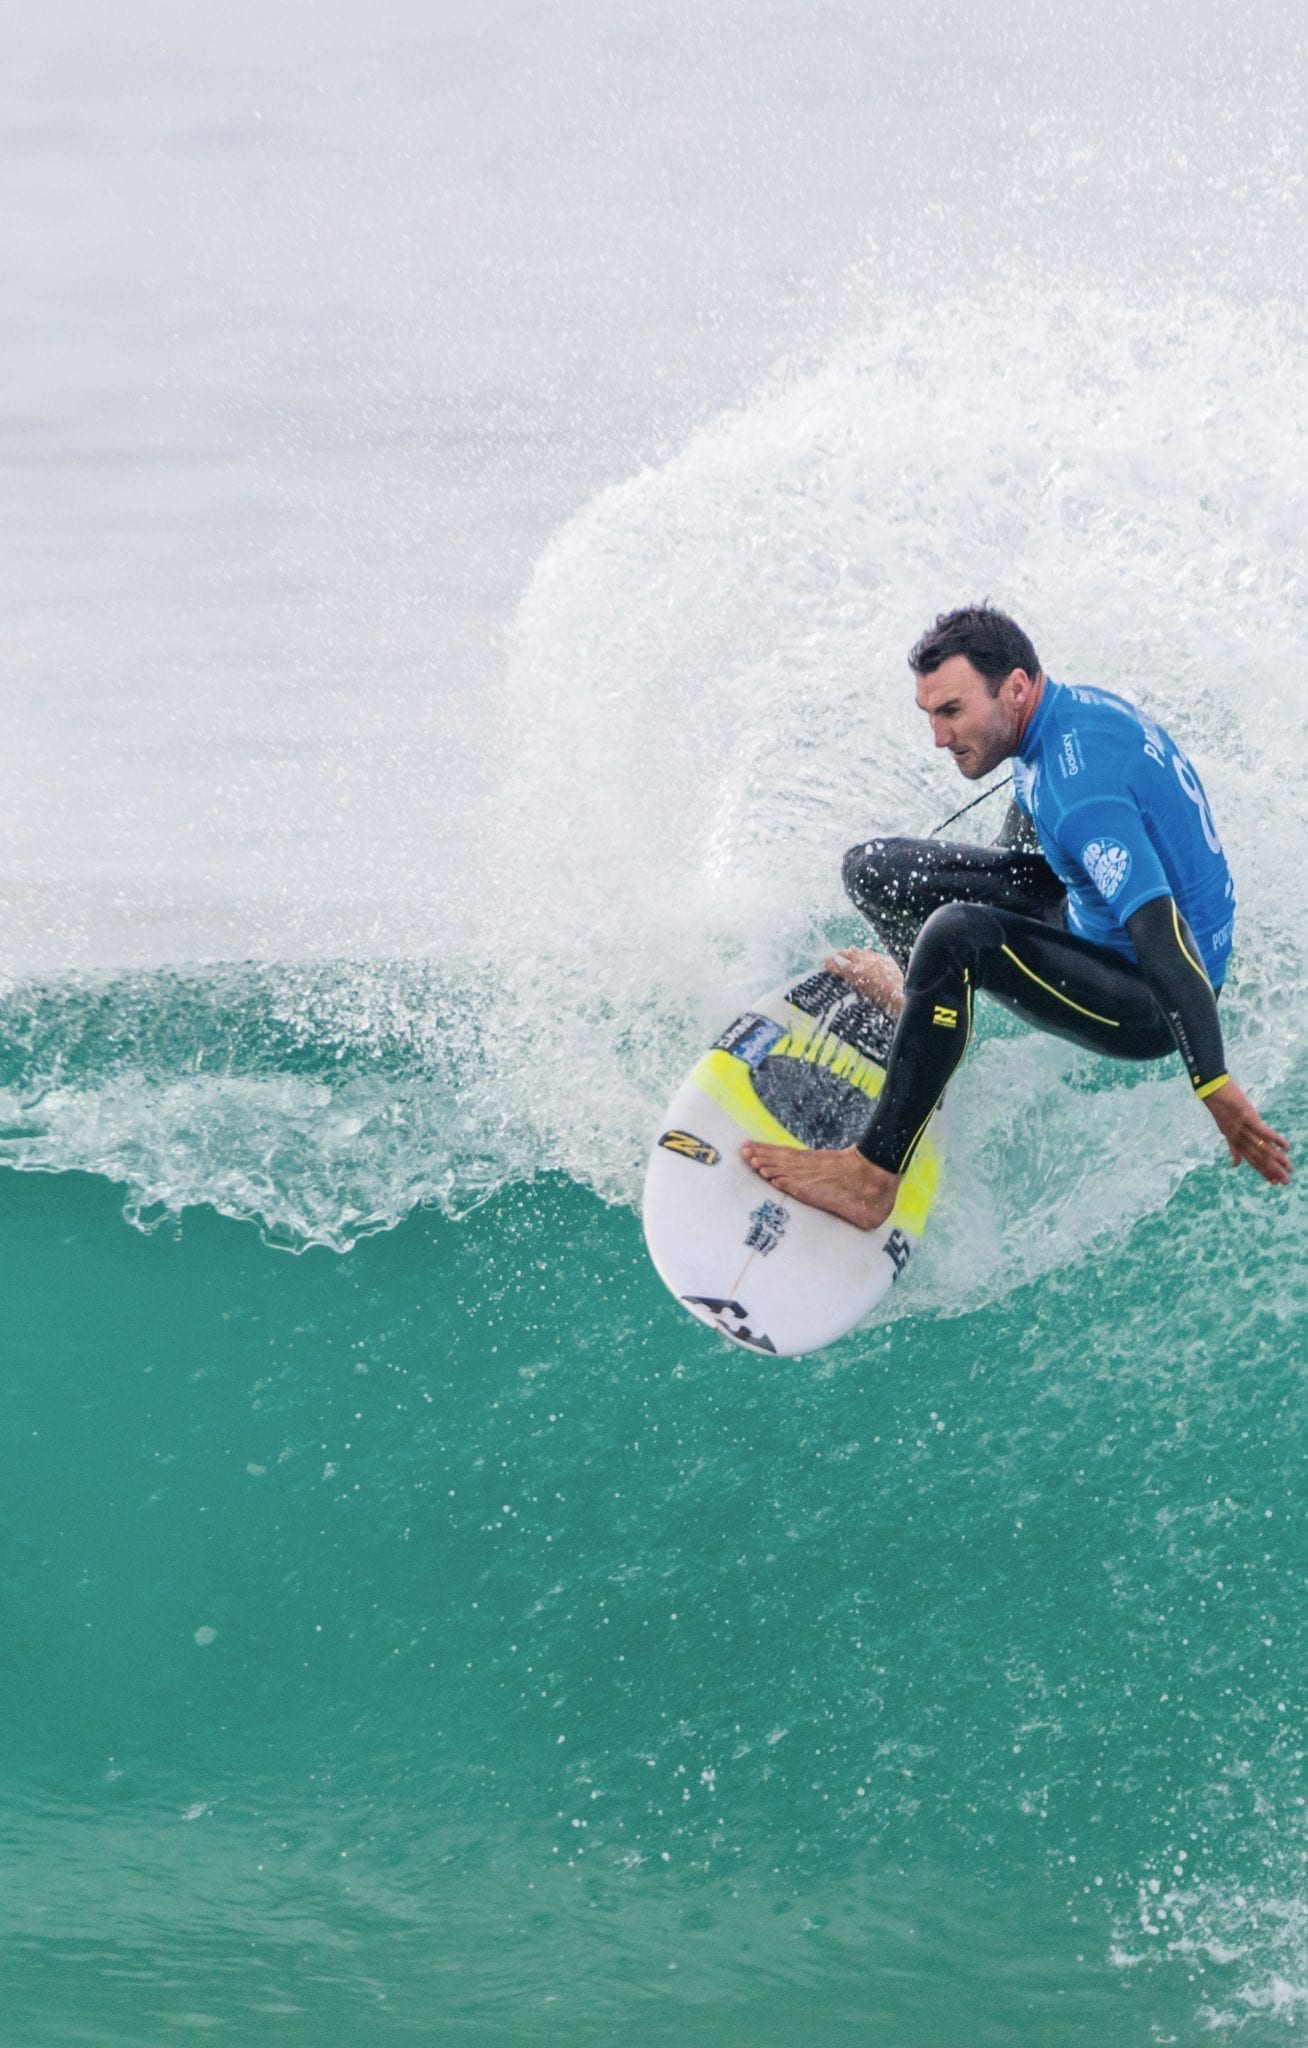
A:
(1248, 1138)
(872, 974)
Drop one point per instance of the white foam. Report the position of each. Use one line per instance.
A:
(1246, 1949)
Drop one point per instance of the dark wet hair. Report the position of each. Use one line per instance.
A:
(993, 643)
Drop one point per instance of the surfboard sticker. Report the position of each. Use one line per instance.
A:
(737, 1328)
(688, 1146)
(803, 1066)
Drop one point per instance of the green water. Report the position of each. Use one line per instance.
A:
(449, 1641)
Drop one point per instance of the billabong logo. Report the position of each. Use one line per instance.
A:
(1108, 864)
(729, 1317)
(899, 1250)
(944, 1015)
(688, 1146)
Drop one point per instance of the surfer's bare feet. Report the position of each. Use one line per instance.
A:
(845, 1182)
(875, 975)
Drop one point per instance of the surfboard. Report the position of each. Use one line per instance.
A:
(803, 1066)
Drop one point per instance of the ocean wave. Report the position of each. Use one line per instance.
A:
(705, 702)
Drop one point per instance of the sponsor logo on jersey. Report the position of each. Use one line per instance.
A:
(1070, 758)
(767, 1227)
(1108, 864)
(690, 1147)
(944, 1015)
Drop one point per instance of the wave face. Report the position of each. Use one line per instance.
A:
(448, 1639)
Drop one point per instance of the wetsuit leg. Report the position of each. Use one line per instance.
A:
(898, 883)
(1047, 976)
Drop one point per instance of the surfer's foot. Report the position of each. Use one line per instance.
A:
(875, 975)
(844, 1182)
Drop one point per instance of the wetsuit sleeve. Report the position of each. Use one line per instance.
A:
(1169, 961)
(1018, 834)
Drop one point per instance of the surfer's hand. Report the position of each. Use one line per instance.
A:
(875, 975)
(1247, 1137)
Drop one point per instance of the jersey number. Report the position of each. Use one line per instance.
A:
(1189, 782)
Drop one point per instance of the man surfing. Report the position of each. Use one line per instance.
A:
(1105, 913)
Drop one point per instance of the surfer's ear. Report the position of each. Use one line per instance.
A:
(1019, 684)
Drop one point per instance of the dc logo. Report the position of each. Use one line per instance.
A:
(1108, 864)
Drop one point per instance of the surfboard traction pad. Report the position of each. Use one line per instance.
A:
(804, 1076)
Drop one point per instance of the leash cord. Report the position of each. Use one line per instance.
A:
(970, 807)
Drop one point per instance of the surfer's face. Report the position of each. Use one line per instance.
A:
(979, 730)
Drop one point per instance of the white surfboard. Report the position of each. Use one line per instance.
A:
(803, 1066)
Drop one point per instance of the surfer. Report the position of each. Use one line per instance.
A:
(1104, 913)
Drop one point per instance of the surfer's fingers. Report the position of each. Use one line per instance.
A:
(1276, 1171)
(1268, 1153)
(1274, 1165)
(1269, 1141)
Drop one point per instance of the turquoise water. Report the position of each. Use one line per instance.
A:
(447, 1640)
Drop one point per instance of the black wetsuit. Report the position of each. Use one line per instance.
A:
(963, 918)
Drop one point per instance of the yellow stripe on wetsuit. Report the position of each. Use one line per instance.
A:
(1176, 927)
(1203, 1089)
(1048, 986)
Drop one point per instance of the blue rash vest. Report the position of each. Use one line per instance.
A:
(1122, 818)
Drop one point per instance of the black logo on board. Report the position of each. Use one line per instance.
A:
(898, 1250)
(730, 1319)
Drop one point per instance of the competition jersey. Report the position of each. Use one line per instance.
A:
(1122, 818)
